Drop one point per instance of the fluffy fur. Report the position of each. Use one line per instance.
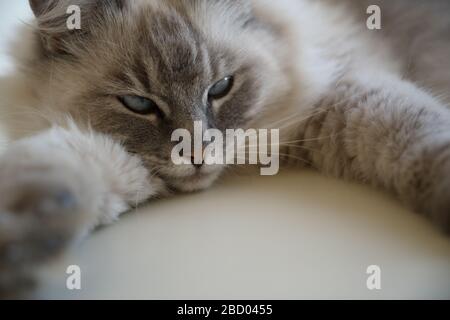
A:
(365, 105)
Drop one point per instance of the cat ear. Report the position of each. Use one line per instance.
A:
(39, 7)
(52, 19)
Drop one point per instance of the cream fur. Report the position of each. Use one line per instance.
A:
(370, 106)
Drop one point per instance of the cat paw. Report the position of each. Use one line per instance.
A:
(42, 211)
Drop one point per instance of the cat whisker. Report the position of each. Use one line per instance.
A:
(285, 155)
(293, 120)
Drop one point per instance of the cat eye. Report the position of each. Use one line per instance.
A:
(140, 105)
(221, 88)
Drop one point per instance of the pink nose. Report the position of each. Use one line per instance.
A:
(197, 165)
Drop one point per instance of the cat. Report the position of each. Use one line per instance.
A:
(91, 136)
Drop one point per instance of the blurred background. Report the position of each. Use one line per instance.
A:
(292, 236)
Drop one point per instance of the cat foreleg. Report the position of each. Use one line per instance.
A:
(389, 133)
(57, 186)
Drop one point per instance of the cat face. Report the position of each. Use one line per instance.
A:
(138, 70)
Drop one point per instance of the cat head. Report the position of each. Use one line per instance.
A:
(139, 69)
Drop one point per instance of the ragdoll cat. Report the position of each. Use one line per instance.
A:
(102, 102)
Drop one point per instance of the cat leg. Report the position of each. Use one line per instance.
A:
(57, 186)
(386, 132)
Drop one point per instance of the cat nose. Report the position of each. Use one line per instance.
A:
(197, 165)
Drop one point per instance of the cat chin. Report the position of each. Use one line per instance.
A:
(194, 184)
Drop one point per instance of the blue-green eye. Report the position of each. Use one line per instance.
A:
(140, 105)
(221, 88)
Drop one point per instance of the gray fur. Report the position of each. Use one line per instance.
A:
(370, 106)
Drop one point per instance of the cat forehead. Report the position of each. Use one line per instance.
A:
(152, 47)
(170, 52)
(164, 47)
(174, 43)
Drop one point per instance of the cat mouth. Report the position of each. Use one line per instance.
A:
(196, 182)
